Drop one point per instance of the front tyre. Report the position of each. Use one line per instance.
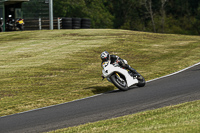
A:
(119, 81)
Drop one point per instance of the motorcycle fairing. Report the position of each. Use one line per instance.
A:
(110, 69)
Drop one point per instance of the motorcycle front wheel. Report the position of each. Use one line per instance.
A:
(119, 81)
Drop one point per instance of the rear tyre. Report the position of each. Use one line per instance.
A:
(76, 23)
(66, 23)
(141, 82)
(119, 82)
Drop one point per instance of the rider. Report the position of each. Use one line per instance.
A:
(105, 56)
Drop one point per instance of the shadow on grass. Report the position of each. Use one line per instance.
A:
(107, 89)
(101, 89)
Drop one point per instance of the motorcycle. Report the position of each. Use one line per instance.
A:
(12, 25)
(20, 24)
(1, 24)
(121, 78)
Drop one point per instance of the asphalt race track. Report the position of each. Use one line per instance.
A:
(174, 89)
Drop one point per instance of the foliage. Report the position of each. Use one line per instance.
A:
(93, 9)
(163, 16)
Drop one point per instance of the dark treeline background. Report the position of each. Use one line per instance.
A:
(162, 16)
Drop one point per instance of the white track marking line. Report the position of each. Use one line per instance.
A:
(174, 72)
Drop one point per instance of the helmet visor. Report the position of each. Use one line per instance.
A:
(105, 59)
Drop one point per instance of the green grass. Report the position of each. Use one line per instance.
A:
(43, 68)
(183, 118)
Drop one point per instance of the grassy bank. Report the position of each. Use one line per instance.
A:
(42, 68)
(183, 118)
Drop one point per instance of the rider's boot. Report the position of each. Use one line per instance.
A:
(135, 73)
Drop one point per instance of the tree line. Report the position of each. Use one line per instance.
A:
(159, 16)
(163, 16)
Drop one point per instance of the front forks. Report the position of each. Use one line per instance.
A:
(119, 77)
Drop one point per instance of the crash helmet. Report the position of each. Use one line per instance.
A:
(105, 56)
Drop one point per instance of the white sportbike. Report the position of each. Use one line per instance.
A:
(121, 78)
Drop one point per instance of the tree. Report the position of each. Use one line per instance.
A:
(93, 9)
(163, 13)
(148, 6)
(69, 8)
(99, 13)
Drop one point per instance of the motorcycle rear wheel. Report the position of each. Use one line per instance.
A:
(141, 81)
(120, 84)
